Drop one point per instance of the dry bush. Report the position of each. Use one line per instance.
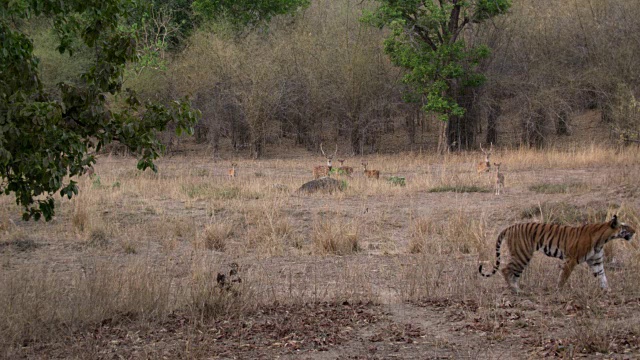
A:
(129, 246)
(443, 267)
(216, 235)
(556, 213)
(428, 275)
(461, 234)
(335, 236)
(81, 218)
(272, 233)
(569, 214)
(206, 298)
(591, 337)
(85, 222)
(324, 76)
(201, 191)
(98, 237)
(418, 232)
(324, 71)
(555, 60)
(20, 241)
(562, 188)
(268, 230)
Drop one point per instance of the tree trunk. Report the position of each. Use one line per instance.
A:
(411, 123)
(461, 132)
(443, 146)
(257, 138)
(461, 129)
(562, 125)
(492, 125)
(356, 139)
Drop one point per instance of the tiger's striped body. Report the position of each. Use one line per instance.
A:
(574, 244)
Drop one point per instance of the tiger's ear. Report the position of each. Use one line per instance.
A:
(614, 221)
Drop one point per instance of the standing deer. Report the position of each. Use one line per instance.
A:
(324, 170)
(232, 172)
(344, 169)
(370, 173)
(485, 166)
(90, 171)
(499, 179)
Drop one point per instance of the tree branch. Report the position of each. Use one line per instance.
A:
(453, 19)
(424, 35)
(455, 36)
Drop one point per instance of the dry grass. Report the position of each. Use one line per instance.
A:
(216, 236)
(155, 242)
(331, 236)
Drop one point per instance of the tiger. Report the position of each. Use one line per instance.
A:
(574, 244)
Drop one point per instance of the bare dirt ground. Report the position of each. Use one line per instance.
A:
(136, 250)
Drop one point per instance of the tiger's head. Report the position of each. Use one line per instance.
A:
(622, 230)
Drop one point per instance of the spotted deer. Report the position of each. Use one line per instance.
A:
(90, 171)
(344, 169)
(499, 179)
(233, 171)
(370, 173)
(324, 170)
(485, 166)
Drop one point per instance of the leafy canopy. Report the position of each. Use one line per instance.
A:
(427, 39)
(46, 140)
(246, 12)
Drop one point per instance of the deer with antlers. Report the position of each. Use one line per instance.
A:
(485, 166)
(371, 174)
(324, 170)
(233, 171)
(348, 170)
(499, 178)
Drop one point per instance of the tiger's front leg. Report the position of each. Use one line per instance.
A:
(569, 264)
(596, 264)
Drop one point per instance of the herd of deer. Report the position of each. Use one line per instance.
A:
(325, 170)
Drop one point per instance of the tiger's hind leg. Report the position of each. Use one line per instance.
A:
(512, 274)
(511, 279)
(520, 258)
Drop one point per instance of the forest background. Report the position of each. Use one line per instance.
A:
(321, 75)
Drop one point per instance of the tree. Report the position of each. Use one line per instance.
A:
(46, 140)
(242, 14)
(427, 39)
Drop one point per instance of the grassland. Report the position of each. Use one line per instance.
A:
(128, 268)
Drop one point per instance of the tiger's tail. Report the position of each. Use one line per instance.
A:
(497, 265)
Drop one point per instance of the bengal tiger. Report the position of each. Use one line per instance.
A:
(574, 244)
